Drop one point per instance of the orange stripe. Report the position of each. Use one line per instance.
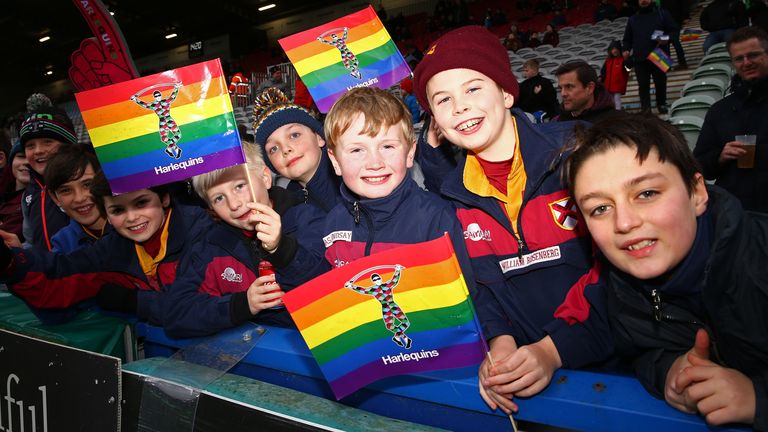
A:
(128, 109)
(315, 47)
(439, 273)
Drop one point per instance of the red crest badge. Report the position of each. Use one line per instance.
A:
(565, 213)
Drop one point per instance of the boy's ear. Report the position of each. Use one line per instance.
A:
(165, 200)
(266, 178)
(700, 196)
(411, 155)
(55, 198)
(334, 162)
(320, 140)
(509, 100)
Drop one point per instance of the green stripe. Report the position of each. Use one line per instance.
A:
(151, 141)
(420, 321)
(335, 70)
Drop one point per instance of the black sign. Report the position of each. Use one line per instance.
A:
(49, 387)
(195, 49)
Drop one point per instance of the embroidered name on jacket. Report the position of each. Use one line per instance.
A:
(539, 256)
(336, 236)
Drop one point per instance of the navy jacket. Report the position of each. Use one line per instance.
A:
(322, 190)
(42, 217)
(209, 294)
(57, 281)
(640, 27)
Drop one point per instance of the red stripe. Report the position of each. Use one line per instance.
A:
(349, 21)
(409, 256)
(575, 308)
(122, 92)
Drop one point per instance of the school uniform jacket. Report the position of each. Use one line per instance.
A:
(57, 281)
(42, 217)
(361, 227)
(322, 190)
(539, 280)
(210, 293)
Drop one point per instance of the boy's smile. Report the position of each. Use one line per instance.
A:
(137, 215)
(38, 151)
(472, 111)
(641, 216)
(372, 167)
(74, 197)
(295, 151)
(229, 196)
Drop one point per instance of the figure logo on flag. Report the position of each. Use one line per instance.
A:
(565, 213)
(390, 311)
(347, 57)
(170, 134)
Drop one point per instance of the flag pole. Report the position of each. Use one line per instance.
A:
(511, 419)
(250, 182)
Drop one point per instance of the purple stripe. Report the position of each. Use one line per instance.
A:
(145, 179)
(386, 81)
(450, 357)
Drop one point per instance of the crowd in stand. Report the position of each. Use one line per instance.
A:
(586, 235)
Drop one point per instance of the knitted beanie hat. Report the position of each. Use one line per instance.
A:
(272, 110)
(469, 47)
(48, 123)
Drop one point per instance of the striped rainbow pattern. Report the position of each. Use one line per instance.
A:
(660, 59)
(321, 67)
(126, 136)
(345, 332)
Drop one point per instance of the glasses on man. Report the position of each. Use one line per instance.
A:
(751, 56)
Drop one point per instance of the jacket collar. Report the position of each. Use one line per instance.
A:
(382, 209)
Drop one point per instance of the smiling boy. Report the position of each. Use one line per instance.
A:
(685, 267)
(538, 302)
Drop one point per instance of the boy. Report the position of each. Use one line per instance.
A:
(371, 145)
(221, 282)
(42, 133)
(529, 254)
(69, 176)
(126, 269)
(294, 148)
(685, 265)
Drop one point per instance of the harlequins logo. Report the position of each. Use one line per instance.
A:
(565, 213)
(28, 199)
(229, 275)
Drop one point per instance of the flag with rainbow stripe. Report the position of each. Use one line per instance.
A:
(400, 311)
(352, 51)
(660, 59)
(162, 128)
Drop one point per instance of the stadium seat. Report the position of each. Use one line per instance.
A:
(718, 70)
(710, 86)
(695, 105)
(543, 48)
(690, 127)
(720, 57)
(717, 48)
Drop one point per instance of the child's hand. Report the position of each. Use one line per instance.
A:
(10, 239)
(528, 370)
(264, 293)
(502, 347)
(722, 395)
(675, 387)
(434, 136)
(267, 224)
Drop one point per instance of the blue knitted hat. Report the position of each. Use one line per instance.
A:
(272, 110)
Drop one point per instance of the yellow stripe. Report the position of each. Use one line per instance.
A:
(330, 57)
(148, 123)
(433, 297)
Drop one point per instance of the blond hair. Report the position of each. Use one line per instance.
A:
(380, 109)
(254, 159)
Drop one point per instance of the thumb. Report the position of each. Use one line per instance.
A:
(701, 345)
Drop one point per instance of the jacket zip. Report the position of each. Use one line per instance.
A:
(356, 209)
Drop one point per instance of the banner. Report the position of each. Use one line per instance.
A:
(104, 59)
(400, 311)
(352, 51)
(162, 128)
(661, 59)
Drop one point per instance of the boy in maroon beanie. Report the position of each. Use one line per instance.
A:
(538, 299)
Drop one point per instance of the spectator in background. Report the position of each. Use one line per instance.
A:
(13, 180)
(533, 41)
(626, 10)
(488, 20)
(5, 149)
(409, 99)
(721, 18)
(550, 36)
(584, 97)
(605, 11)
(758, 13)
(304, 99)
(512, 42)
(275, 80)
(678, 9)
(614, 75)
(742, 112)
(537, 94)
(559, 19)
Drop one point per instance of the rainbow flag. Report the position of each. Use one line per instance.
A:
(352, 51)
(660, 59)
(400, 311)
(162, 128)
(690, 34)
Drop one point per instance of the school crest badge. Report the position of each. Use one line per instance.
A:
(565, 213)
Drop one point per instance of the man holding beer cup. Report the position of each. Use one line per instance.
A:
(733, 144)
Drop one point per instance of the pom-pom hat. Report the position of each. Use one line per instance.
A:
(48, 123)
(469, 47)
(272, 110)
